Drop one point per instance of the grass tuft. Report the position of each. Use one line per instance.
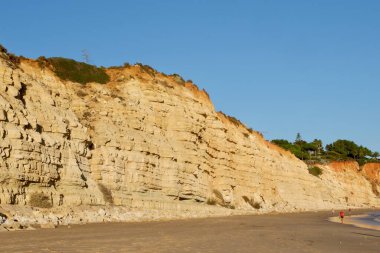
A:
(211, 201)
(40, 200)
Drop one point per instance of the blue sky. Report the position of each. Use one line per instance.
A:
(281, 67)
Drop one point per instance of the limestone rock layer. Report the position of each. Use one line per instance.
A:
(146, 140)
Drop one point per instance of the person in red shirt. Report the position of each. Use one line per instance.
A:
(341, 215)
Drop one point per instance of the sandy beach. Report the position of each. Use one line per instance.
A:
(303, 232)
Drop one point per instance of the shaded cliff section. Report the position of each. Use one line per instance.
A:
(146, 140)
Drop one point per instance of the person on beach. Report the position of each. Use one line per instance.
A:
(341, 215)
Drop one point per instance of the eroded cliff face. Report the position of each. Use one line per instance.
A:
(144, 140)
(371, 172)
(350, 184)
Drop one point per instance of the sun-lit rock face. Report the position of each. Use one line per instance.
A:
(371, 171)
(147, 140)
(349, 185)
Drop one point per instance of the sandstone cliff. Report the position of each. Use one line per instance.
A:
(148, 141)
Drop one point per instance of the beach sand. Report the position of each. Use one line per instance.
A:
(287, 233)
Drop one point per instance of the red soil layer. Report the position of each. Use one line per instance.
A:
(137, 71)
(342, 166)
(372, 171)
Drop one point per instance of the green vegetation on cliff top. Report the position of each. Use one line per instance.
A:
(71, 70)
(81, 72)
(340, 150)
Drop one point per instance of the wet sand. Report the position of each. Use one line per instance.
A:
(370, 220)
(287, 233)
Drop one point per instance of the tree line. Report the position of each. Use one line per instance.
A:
(339, 150)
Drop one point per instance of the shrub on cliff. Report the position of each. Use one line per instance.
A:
(256, 205)
(147, 69)
(178, 78)
(315, 171)
(40, 200)
(252, 203)
(80, 72)
(3, 49)
(10, 57)
(211, 201)
(107, 194)
(235, 121)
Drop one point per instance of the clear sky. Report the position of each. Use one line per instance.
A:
(281, 67)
